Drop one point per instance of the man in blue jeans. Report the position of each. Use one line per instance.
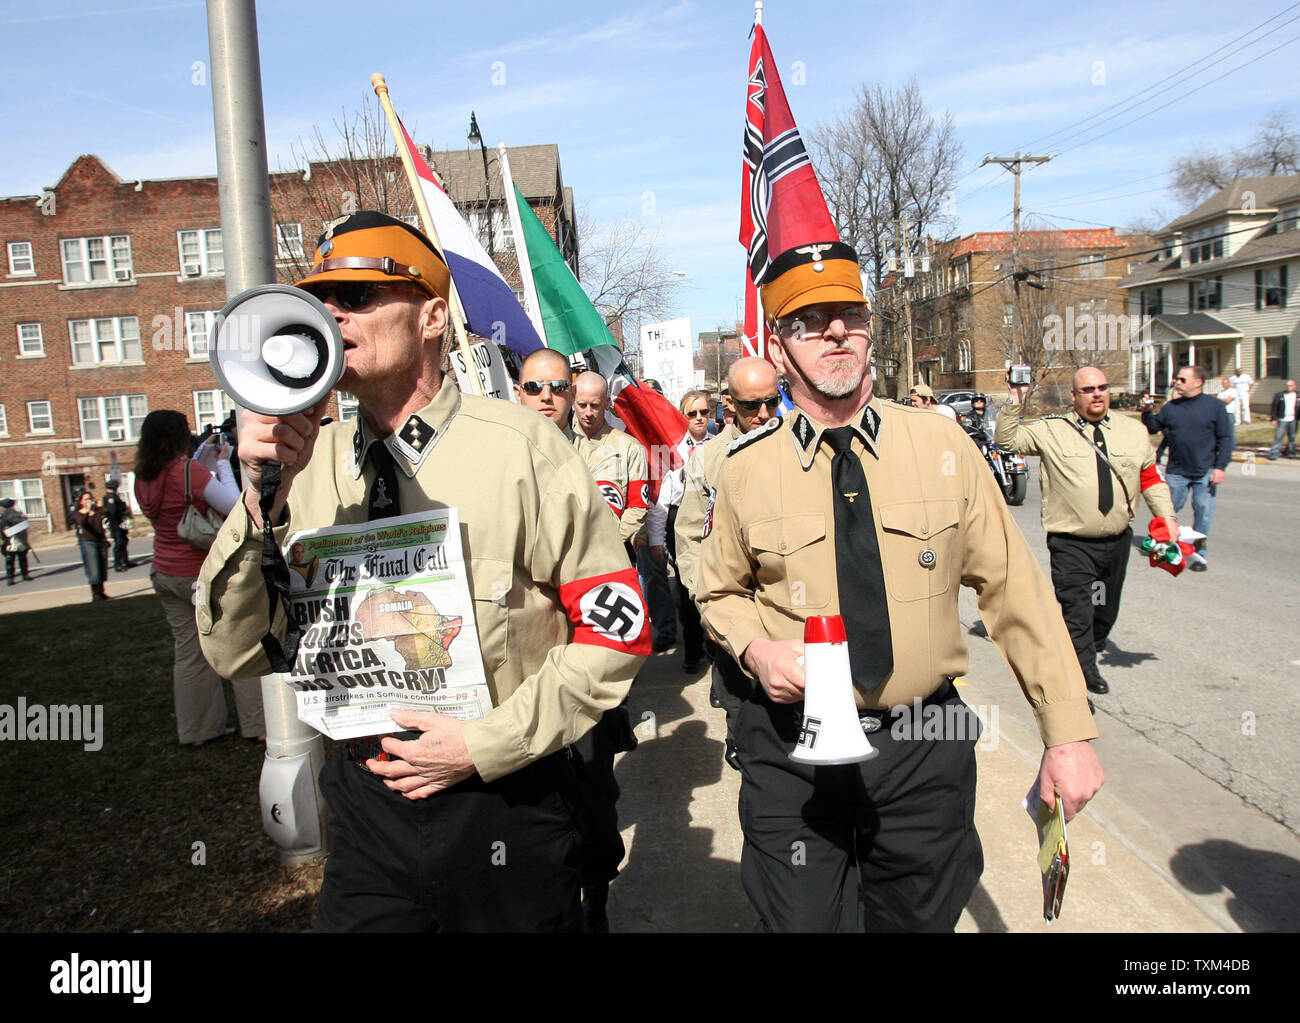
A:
(1199, 433)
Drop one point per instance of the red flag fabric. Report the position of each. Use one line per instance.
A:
(645, 414)
(781, 203)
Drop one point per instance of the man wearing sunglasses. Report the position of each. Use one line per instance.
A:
(559, 618)
(861, 508)
(544, 386)
(753, 399)
(1200, 436)
(1092, 462)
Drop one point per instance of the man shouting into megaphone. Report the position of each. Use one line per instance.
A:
(418, 817)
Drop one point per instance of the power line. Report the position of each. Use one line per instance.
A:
(1183, 95)
(1180, 71)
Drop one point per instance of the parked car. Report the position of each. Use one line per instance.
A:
(959, 400)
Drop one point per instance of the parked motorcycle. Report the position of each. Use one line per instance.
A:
(1010, 470)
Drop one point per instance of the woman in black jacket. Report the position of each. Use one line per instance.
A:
(89, 521)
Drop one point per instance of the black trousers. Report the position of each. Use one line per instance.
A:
(731, 687)
(601, 849)
(478, 857)
(120, 539)
(1088, 576)
(885, 845)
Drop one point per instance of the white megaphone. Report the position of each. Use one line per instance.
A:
(831, 733)
(276, 350)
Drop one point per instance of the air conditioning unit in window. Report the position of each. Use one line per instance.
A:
(116, 433)
(122, 275)
(191, 269)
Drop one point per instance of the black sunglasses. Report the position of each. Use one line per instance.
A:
(352, 296)
(534, 387)
(754, 404)
(698, 412)
(1094, 387)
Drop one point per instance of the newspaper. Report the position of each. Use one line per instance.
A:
(387, 621)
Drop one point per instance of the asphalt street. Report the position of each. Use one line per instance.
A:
(1199, 727)
(60, 568)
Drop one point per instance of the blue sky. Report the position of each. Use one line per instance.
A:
(647, 101)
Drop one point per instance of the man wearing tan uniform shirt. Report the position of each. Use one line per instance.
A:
(1087, 508)
(881, 524)
(561, 623)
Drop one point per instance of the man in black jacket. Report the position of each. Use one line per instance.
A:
(1283, 414)
(1200, 438)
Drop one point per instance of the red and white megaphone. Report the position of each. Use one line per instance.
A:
(831, 733)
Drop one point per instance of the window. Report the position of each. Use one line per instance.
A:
(288, 241)
(211, 408)
(110, 339)
(198, 329)
(1093, 265)
(963, 356)
(347, 407)
(30, 341)
(963, 273)
(20, 259)
(1008, 314)
(1205, 294)
(97, 260)
(1205, 244)
(113, 418)
(1273, 361)
(201, 252)
(1290, 220)
(1151, 302)
(502, 234)
(1270, 287)
(4, 422)
(27, 495)
(40, 419)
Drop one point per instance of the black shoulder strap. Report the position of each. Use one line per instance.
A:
(1128, 498)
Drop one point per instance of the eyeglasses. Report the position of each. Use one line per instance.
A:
(353, 296)
(814, 321)
(1094, 387)
(754, 404)
(1184, 380)
(702, 412)
(534, 387)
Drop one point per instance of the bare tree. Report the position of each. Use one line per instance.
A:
(887, 167)
(622, 269)
(1274, 149)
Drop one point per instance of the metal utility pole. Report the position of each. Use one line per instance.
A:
(293, 749)
(243, 185)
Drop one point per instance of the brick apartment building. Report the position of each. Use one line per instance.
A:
(969, 323)
(109, 291)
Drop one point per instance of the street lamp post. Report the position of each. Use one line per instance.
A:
(476, 138)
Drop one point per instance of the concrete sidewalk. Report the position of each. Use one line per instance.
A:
(682, 873)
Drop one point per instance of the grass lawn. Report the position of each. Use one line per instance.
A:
(105, 840)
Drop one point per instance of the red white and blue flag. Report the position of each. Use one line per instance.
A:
(781, 203)
(491, 309)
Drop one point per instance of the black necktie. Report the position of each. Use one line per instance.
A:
(858, 570)
(384, 501)
(1105, 488)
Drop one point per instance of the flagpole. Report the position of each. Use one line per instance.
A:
(457, 310)
(531, 304)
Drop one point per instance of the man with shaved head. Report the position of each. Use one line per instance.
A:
(752, 399)
(1093, 467)
(544, 386)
